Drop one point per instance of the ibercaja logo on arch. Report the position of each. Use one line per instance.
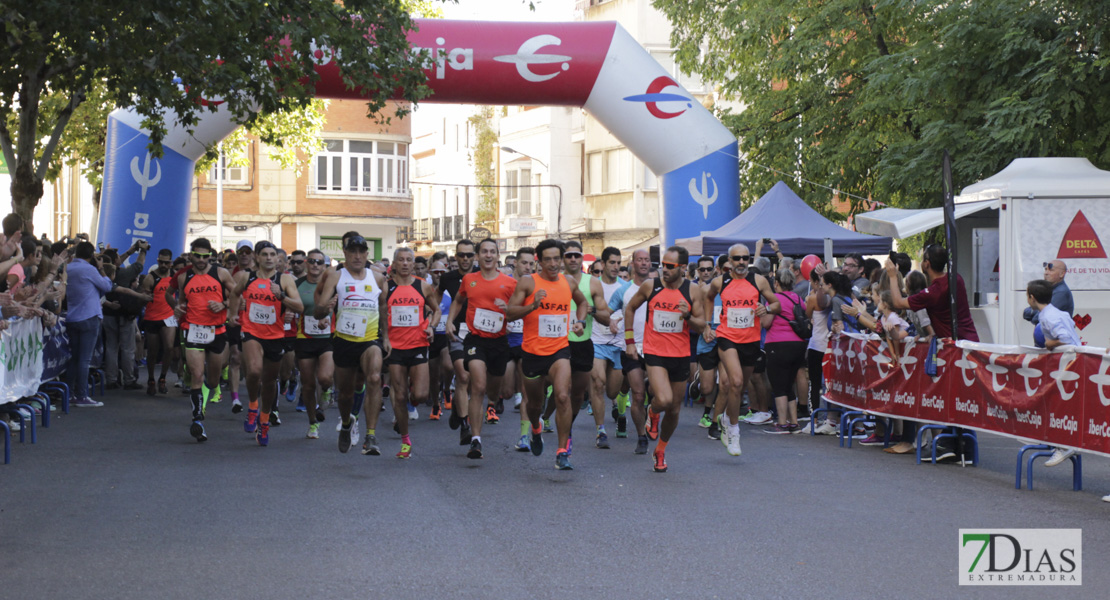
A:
(1021, 557)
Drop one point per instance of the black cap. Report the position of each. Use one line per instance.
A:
(356, 241)
(262, 245)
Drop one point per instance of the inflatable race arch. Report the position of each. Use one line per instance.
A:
(595, 65)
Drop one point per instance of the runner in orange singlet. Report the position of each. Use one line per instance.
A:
(674, 310)
(159, 324)
(738, 334)
(411, 308)
(486, 348)
(543, 301)
(265, 296)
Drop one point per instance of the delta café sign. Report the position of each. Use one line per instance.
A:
(1059, 398)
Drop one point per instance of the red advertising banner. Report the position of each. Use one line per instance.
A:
(1060, 398)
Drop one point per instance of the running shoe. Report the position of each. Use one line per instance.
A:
(778, 428)
(251, 424)
(537, 444)
(434, 415)
(523, 445)
(214, 395)
(744, 416)
(547, 426)
(714, 431)
(475, 451)
(162, 389)
(827, 428)
(491, 415)
(319, 414)
(354, 428)
(726, 433)
(313, 431)
(454, 420)
(151, 388)
(236, 406)
(329, 398)
(370, 446)
(562, 461)
(197, 430)
(263, 434)
(300, 404)
(872, 440)
(345, 438)
(759, 418)
(447, 402)
(641, 445)
(291, 391)
(602, 440)
(589, 408)
(615, 413)
(406, 451)
(660, 461)
(499, 406)
(622, 426)
(464, 435)
(413, 413)
(275, 418)
(653, 425)
(517, 399)
(705, 421)
(734, 444)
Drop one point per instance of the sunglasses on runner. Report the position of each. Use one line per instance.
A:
(465, 255)
(668, 265)
(201, 254)
(296, 262)
(704, 269)
(316, 261)
(572, 255)
(165, 262)
(439, 271)
(741, 257)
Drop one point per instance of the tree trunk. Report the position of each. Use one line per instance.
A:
(26, 190)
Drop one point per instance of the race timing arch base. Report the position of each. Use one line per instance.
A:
(595, 65)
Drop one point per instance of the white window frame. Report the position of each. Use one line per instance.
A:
(518, 191)
(336, 169)
(233, 175)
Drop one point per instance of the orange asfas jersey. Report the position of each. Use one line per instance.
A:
(546, 328)
(408, 321)
(667, 333)
(483, 317)
(739, 299)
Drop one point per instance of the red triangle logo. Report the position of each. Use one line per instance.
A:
(1080, 240)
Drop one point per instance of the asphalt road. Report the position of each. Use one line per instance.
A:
(119, 502)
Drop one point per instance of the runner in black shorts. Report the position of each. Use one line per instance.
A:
(582, 345)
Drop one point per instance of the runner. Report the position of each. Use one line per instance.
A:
(608, 342)
(159, 323)
(202, 312)
(634, 369)
(267, 296)
(409, 303)
(582, 345)
(313, 346)
(244, 254)
(512, 386)
(738, 335)
(543, 300)
(708, 359)
(439, 359)
(486, 349)
(674, 309)
(356, 343)
(288, 372)
(449, 284)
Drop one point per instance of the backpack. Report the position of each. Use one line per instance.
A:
(800, 323)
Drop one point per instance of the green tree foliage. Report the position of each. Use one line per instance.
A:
(865, 96)
(57, 53)
(485, 174)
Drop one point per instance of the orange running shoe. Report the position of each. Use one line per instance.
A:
(660, 461)
(491, 415)
(653, 425)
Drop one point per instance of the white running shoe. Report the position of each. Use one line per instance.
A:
(827, 428)
(339, 426)
(413, 413)
(759, 418)
(1059, 456)
(733, 443)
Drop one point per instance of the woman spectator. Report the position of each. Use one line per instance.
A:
(786, 354)
(818, 308)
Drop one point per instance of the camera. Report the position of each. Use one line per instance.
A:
(767, 241)
(100, 246)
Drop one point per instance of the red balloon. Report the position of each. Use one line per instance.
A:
(810, 261)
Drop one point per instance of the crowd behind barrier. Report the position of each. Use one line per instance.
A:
(1059, 398)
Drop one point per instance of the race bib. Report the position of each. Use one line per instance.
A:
(666, 322)
(717, 315)
(462, 332)
(171, 322)
(489, 321)
(442, 326)
(201, 334)
(516, 326)
(313, 326)
(352, 323)
(262, 314)
(553, 326)
(741, 318)
(404, 316)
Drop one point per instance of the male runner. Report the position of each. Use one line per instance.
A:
(738, 333)
(543, 300)
(674, 309)
(634, 369)
(356, 343)
(313, 345)
(202, 312)
(582, 345)
(608, 342)
(708, 359)
(485, 349)
(244, 255)
(159, 324)
(439, 359)
(449, 283)
(409, 303)
(512, 386)
(288, 374)
(266, 295)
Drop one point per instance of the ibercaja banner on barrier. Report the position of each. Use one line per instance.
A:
(20, 359)
(1061, 398)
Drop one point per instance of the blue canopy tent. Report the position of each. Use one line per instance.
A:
(781, 215)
